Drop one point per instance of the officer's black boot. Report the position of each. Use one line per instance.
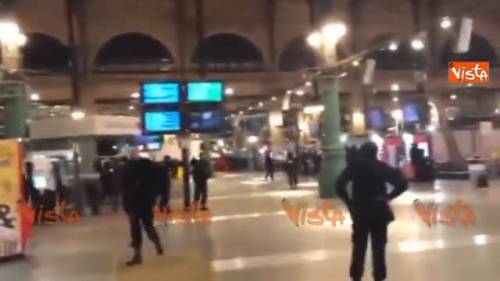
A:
(136, 259)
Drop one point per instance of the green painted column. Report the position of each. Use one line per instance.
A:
(15, 113)
(333, 149)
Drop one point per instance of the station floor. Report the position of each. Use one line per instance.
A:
(251, 237)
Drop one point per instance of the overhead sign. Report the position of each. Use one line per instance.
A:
(162, 122)
(206, 91)
(166, 92)
(206, 121)
(469, 72)
(171, 107)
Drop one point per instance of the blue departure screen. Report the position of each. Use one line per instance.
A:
(162, 121)
(411, 113)
(161, 92)
(210, 91)
(206, 120)
(377, 118)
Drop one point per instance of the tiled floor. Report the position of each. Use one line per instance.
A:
(252, 238)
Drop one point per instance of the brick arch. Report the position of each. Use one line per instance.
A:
(403, 58)
(480, 49)
(226, 51)
(297, 55)
(44, 52)
(133, 51)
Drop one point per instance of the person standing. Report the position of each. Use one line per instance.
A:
(304, 158)
(165, 183)
(201, 174)
(369, 207)
(317, 162)
(269, 165)
(61, 189)
(292, 170)
(33, 195)
(106, 178)
(139, 196)
(118, 180)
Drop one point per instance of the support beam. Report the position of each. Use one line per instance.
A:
(200, 32)
(271, 32)
(181, 37)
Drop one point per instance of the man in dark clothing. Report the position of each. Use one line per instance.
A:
(201, 174)
(32, 194)
(416, 158)
(369, 206)
(106, 178)
(292, 170)
(165, 183)
(304, 158)
(139, 195)
(317, 162)
(269, 165)
(60, 188)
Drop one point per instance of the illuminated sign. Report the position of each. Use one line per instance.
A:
(208, 91)
(469, 72)
(168, 121)
(161, 92)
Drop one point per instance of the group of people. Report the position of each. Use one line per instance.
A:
(311, 162)
(145, 184)
(292, 166)
(47, 199)
(141, 183)
(367, 201)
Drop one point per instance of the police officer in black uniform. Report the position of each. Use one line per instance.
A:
(369, 206)
(201, 174)
(140, 191)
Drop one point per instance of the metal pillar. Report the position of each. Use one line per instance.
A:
(333, 150)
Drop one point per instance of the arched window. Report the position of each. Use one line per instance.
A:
(297, 55)
(228, 52)
(45, 53)
(480, 50)
(401, 57)
(133, 52)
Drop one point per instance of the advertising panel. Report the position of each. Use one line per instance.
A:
(12, 230)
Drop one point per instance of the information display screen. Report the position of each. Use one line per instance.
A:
(161, 92)
(206, 120)
(377, 118)
(169, 121)
(412, 113)
(150, 143)
(209, 91)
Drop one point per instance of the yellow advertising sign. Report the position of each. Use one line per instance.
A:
(10, 195)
